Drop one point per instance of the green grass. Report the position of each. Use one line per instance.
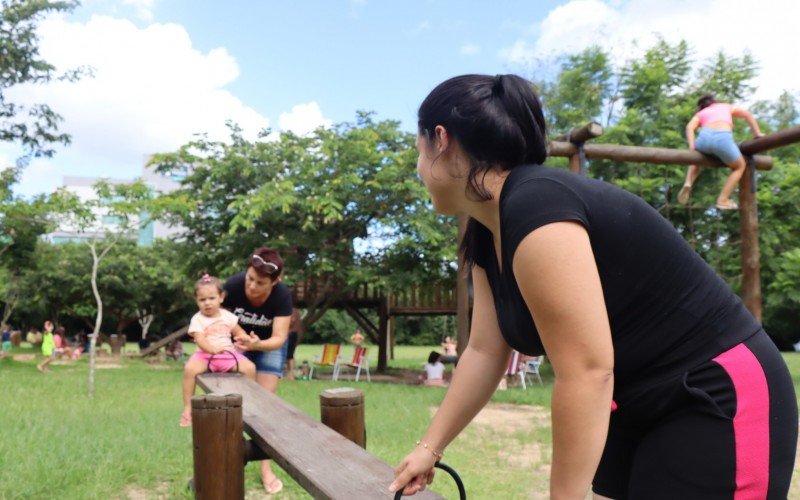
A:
(59, 443)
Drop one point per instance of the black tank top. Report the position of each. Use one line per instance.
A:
(668, 310)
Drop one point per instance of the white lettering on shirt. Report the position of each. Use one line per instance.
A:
(248, 318)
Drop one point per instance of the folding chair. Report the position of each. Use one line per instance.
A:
(532, 366)
(359, 362)
(329, 357)
(515, 368)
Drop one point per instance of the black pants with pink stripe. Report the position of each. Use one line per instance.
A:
(724, 430)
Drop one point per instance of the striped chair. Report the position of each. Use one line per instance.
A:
(358, 363)
(329, 357)
(516, 368)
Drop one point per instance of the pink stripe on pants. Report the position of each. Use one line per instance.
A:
(751, 422)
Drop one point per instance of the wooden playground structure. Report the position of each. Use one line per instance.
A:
(434, 299)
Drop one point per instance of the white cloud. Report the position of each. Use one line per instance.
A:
(766, 29)
(152, 90)
(469, 49)
(303, 119)
(143, 8)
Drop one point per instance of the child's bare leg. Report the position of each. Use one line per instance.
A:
(686, 191)
(42, 367)
(691, 175)
(247, 368)
(192, 369)
(737, 166)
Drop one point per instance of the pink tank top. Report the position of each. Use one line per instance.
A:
(717, 112)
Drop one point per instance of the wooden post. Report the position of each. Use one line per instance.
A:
(462, 293)
(342, 409)
(751, 253)
(575, 163)
(383, 333)
(218, 446)
(582, 134)
(115, 344)
(391, 337)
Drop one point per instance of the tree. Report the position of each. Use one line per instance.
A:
(35, 127)
(22, 222)
(125, 204)
(343, 205)
(583, 85)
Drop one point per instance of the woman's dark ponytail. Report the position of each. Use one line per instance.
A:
(497, 120)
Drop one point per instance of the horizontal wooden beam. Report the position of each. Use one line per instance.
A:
(646, 154)
(582, 134)
(771, 141)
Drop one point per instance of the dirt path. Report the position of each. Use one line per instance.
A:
(504, 422)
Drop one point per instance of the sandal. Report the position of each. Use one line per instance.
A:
(274, 486)
(727, 206)
(684, 194)
(186, 420)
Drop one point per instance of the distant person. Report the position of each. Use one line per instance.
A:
(357, 337)
(174, 350)
(449, 351)
(433, 371)
(213, 329)
(295, 335)
(48, 347)
(60, 340)
(34, 337)
(716, 138)
(6, 340)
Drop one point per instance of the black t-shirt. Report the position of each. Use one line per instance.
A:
(257, 319)
(668, 310)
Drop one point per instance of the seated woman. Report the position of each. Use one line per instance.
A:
(433, 371)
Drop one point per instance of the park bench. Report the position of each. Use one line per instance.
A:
(322, 461)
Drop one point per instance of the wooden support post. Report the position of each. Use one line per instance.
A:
(575, 163)
(342, 409)
(383, 333)
(116, 345)
(751, 253)
(391, 337)
(218, 446)
(462, 293)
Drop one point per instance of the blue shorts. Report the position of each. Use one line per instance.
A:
(719, 143)
(269, 361)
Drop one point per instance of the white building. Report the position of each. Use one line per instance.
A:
(83, 187)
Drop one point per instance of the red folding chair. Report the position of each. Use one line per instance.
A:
(358, 363)
(515, 368)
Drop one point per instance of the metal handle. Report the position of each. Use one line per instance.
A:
(462, 493)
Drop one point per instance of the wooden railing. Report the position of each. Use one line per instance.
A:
(432, 299)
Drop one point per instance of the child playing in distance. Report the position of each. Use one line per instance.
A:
(434, 371)
(48, 347)
(212, 328)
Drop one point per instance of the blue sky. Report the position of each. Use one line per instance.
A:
(165, 69)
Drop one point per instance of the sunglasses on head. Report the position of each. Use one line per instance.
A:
(259, 259)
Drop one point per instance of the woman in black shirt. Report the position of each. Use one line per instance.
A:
(665, 385)
(263, 304)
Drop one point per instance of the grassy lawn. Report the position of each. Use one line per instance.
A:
(126, 443)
